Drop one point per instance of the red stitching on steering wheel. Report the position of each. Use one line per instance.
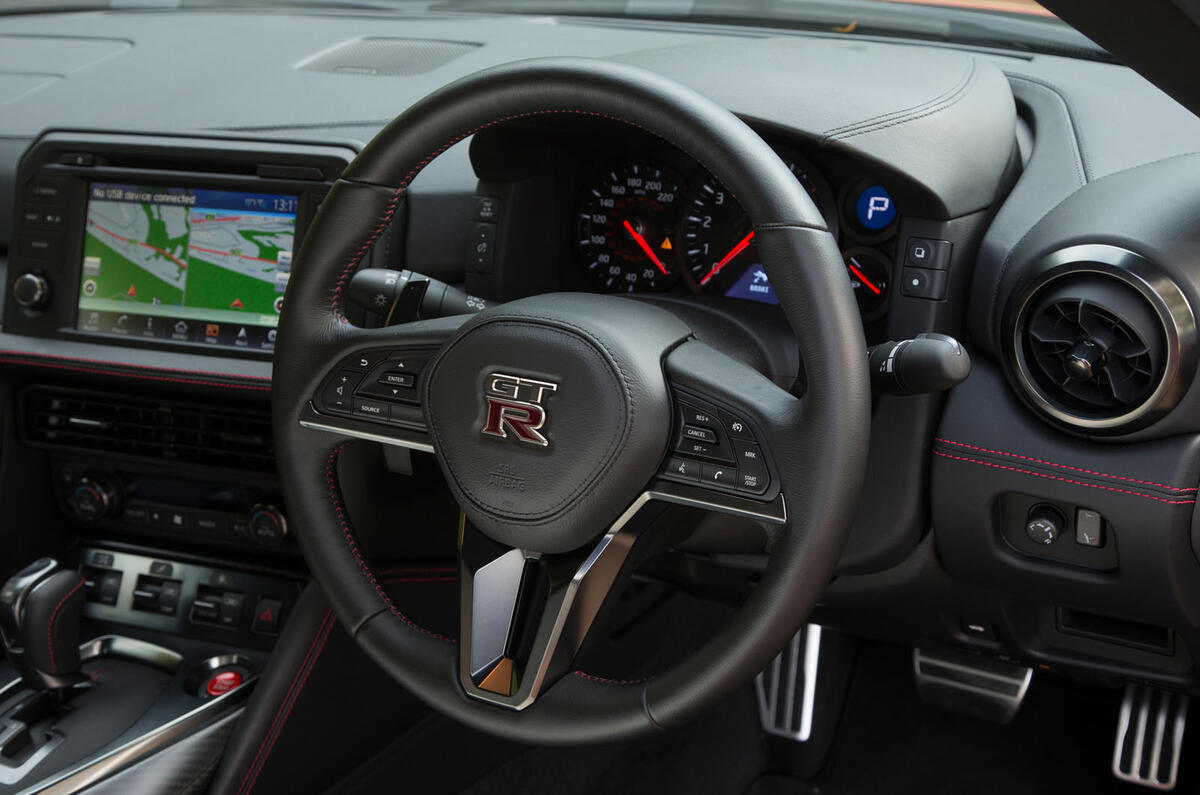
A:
(348, 535)
(394, 202)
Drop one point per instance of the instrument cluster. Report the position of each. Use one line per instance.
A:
(643, 226)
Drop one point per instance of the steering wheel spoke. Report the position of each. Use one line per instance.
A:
(525, 615)
(726, 419)
(371, 384)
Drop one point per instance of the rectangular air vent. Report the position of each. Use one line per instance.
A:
(165, 430)
(386, 57)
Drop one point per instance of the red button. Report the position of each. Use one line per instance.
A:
(222, 682)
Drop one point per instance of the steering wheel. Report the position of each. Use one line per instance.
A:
(552, 419)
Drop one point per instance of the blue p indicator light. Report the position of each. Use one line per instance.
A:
(874, 208)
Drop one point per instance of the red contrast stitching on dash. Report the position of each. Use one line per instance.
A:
(289, 701)
(394, 202)
(1066, 466)
(53, 619)
(348, 535)
(1064, 480)
(144, 377)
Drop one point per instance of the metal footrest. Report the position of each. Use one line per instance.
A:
(970, 685)
(1149, 737)
(787, 688)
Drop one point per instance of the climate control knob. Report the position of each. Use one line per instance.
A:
(268, 526)
(93, 498)
(31, 291)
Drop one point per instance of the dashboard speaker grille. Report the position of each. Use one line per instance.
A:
(386, 57)
(164, 430)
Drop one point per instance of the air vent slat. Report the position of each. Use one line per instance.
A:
(162, 430)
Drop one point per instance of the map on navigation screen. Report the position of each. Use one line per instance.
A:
(186, 254)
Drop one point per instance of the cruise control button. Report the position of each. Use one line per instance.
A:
(736, 427)
(694, 414)
(716, 452)
(683, 468)
(722, 476)
(752, 468)
(692, 432)
(339, 391)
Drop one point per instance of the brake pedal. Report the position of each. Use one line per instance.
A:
(976, 686)
(787, 688)
(1149, 736)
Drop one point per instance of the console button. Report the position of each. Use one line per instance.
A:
(222, 682)
(104, 559)
(231, 609)
(719, 475)
(753, 475)
(266, 616)
(40, 246)
(110, 588)
(156, 595)
(47, 189)
(338, 392)
(210, 524)
(169, 519)
(923, 283)
(267, 525)
(923, 252)
(682, 468)
(161, 568)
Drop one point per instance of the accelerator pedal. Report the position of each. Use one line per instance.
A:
(1149, 737)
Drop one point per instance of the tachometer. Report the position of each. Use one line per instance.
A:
(627, 223)
(718, 240)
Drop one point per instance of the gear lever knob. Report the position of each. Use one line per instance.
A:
(40, 609)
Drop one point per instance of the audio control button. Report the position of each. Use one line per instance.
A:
(338, 393)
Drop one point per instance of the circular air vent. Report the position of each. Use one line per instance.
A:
(1098, 341)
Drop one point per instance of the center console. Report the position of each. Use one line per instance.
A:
(144, 284)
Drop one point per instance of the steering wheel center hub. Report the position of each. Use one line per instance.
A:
(550, 413)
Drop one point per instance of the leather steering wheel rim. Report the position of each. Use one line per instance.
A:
(820, 453)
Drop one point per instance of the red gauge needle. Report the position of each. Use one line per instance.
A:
(725, 260)
(862, 277)
(644, 246)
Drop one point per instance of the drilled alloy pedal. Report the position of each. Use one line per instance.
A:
(1149, 737)
(787, 688)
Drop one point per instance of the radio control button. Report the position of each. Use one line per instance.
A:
(46, 189)
(365, 361)
(370, 409)
(338, 393)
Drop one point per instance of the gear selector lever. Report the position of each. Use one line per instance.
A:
(40, 609)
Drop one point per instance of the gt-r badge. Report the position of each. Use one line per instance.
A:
(515, 404)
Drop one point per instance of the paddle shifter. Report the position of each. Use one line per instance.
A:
(40, 608)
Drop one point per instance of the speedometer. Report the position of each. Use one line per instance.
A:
(718, 238)
(627, 223)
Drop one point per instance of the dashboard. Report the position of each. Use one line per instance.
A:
(147, 252)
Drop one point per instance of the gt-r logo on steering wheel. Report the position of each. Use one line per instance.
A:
(515, 404)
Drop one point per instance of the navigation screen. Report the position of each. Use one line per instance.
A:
(186, 264)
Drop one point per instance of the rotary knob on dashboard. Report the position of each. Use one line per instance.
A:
(268, 525)
(31, 290)
(93, 498)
